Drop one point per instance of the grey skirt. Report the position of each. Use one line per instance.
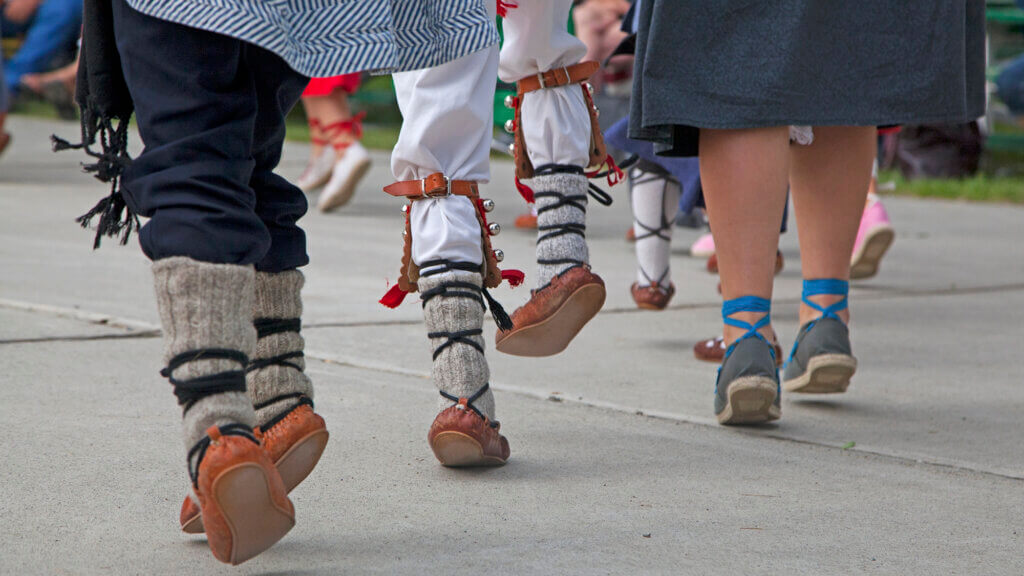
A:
(732, 64)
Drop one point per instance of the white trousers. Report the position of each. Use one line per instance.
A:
(448, 119)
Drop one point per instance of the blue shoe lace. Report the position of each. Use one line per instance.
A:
(822, 287)
(746, 304)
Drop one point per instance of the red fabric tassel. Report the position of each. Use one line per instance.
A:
(504, 7)
(525, 191)
(513, 277)
(394, 297)
(615, 174)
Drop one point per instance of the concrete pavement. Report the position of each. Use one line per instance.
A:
(617, 465)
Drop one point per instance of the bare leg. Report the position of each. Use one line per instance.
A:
(744, 174)
(830, 179)
(314, 112)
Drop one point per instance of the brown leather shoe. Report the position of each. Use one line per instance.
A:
(713, 350)
(527, 220)
(652, 297)
(546, 324)
(244, 504)
(294, 444)
(712, 264)
(460, 437)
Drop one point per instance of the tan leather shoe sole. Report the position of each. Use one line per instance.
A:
(457, 450)
(553, 334)
(825, 374)
(294, 466)
(751, 401)
(243, 495)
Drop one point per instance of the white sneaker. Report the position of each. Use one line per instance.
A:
(317, 172)
(347, 173)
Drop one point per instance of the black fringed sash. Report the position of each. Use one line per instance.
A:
(106, 109)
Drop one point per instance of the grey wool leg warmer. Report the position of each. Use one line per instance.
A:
(207, 306)
(561, 201)
(455, 320)
(276, 380)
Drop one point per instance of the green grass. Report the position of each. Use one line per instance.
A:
(979, 188)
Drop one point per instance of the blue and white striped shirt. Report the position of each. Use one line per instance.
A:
(330, 37)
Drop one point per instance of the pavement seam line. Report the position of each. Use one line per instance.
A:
(670, 417)
(327, 358)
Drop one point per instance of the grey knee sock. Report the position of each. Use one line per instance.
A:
(560, 224)
(206, 305)
(460, 369)
(277, 298)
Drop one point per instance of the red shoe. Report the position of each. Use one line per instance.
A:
(631, 234)
(652, 297)
(527, 220)
(713, 350)
(548, 322)
(294, 444)
(461, 436)
(241, 495)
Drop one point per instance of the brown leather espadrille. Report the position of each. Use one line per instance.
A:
(294, 444)
(652, 297)
(244, 504)
(548, 322)
(461, 437)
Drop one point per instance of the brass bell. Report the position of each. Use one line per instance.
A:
(493, 229)
(510, 126)
(488, 204)
(405, 233)
(499, 255)
(405, 208)
(510, 101)
(512, 148)
(590, 87)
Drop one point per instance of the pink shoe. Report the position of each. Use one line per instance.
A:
(704, 247)
(873, 239)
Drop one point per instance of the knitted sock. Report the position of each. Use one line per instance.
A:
(655, 200)
(561, 200)
(207, 306)
(460, 369)
(276, 379)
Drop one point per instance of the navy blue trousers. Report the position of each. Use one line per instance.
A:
(210, 110)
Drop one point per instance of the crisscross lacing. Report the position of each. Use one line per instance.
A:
(661, 231)
(469, 402)
(192, 390)
(458, 289)
(268, 327)
(822, 287)
(746, 304)
(198, 451)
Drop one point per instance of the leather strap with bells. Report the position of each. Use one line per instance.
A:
(438, 186)
(574, 74)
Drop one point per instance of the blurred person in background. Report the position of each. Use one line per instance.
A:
(1010, 83)
(48, 29)
(337, 160)
(5, 137)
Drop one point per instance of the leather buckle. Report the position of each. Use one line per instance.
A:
(554, 77)
(540, 79)
(442, 191)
